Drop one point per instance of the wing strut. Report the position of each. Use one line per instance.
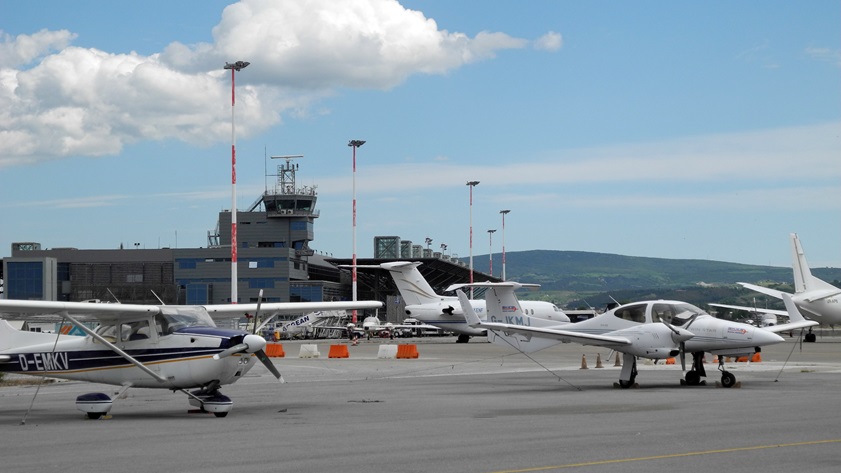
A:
(114, 348)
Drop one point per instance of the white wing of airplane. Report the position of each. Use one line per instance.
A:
(10, 308)
(239, 310)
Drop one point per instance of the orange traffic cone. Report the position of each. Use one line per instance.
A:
(583, 362)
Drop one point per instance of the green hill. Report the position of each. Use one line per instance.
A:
(569, 277)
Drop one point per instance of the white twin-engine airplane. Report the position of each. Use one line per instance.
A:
(818, 299)
(650, 329)
(423, 304)
(145, 346)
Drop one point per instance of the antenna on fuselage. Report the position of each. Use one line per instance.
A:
(112, 295)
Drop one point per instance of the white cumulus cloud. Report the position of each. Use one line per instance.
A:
(72, 101)
(551, 41)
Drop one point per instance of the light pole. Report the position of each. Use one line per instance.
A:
(354, 144)
(237, 66)
(471, 184)
(503, 212)
(491, 251)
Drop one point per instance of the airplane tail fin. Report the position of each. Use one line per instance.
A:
(503, 307)
(803, 279)
(410, 282)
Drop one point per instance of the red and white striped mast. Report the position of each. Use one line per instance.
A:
(354, 144)
(237, 66)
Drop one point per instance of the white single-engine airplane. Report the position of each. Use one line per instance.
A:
(423, 304)
(651, 329)
(818, 299)
(146, 346)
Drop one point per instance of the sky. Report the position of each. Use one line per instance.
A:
(684, 130)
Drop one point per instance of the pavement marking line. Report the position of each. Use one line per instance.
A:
(671, 455)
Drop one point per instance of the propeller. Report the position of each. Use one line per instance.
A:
(261, 355)
(257, 312)
(680, 336)
(252, 344)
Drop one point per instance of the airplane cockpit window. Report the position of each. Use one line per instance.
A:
(675, 314)
(170, 321)
(684, 313)
(662, 313)
(633, 313)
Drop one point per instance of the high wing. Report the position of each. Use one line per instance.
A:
(11, 308)
(795, 318)
(240, 310)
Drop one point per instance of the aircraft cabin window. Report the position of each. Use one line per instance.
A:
(134, 331)
(662, 313)
(684, 313)
(633, 313)
(107, 331)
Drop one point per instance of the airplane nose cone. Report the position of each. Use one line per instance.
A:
(764, 337)
(255, 343)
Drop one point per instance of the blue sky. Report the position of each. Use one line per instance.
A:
(701, 130)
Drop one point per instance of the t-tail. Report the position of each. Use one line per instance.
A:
(803, 279)
(413, 287)
(503, 308)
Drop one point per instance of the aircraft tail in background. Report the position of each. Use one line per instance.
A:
(803, 279)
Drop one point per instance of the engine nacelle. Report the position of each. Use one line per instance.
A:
(655, 341)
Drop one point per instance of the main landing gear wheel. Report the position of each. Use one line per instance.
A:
(728, 379)
(463, 338)
(693, 378)
(626, 384)
(629, 370)
(694, 375)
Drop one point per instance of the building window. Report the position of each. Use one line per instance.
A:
(25, 280)
(187, 264)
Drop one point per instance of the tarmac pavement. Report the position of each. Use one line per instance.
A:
(471, 407)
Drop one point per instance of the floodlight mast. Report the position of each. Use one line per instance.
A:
(237, 66)
(471, 184)
(503, 212)
(354, 144)
(491, 251)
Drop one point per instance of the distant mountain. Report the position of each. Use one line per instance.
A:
(577, 273)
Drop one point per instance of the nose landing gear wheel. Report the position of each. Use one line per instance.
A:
(728, 379)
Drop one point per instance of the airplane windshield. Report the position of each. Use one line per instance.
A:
(171, 319)
(676, 314)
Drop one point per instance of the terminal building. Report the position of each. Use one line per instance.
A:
(273, 253)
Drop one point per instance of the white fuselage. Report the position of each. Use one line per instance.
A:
(709, 334)
(185, 360)
(438, 314)
(826, 311)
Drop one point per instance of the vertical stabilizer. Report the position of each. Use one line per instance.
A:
(501, 305)
(410, 282)
(803, 279)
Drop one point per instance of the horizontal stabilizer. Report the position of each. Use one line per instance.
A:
(763, 290)
(795, 318)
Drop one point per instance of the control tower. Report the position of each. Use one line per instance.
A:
(289, 202)
(273, 237)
